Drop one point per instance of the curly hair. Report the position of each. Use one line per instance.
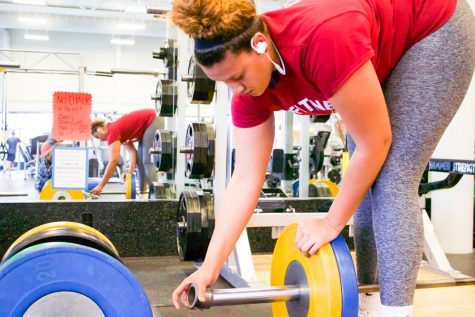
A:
(97, 124)
(230, 22)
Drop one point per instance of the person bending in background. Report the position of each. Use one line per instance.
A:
(395, 71)
(12, 143)
(135, 126)
(47, 145)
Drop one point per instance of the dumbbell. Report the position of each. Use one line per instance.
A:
(68, 269)
(323, 284)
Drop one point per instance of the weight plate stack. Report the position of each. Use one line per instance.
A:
(195, 224)
(169, 97)
(68, 269)
(163, 152)
(199, 150)
(57, 278)
(200, 88)
(188, 228)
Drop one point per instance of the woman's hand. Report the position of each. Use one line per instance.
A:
(202, 278)
(97, 190)
(313, 233)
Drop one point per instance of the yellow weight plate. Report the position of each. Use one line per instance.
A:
(63, 224)
(321, 271)
(48, 193)
(346, 159)
(128, 186)
(331, 185)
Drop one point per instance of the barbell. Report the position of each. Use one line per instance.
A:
(49, 193)
(324, 284)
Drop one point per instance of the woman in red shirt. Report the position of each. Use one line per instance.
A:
(395, 71)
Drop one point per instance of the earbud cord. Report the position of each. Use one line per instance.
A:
(279, 68)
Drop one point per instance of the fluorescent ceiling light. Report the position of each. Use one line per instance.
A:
(32, 20)
(36, 37)
(34, 2)
(132, 26)
(136, 8)
(119, 41)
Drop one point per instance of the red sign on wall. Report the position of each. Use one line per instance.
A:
(71, 116)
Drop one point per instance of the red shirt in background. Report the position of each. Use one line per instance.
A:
(323, 42)
(130, 127)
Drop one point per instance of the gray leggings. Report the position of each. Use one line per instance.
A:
(145, 166)
(423, 93)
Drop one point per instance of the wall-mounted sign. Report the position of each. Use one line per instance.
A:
(71, 116)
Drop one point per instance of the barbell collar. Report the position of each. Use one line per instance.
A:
(155, 150)
(238, 296)
(187, 78)
(186, 150)
(156, 97)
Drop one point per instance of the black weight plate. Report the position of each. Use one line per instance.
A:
(201, 88)
(335, 176)
(169, 99)
(211, 150)
(195, 160)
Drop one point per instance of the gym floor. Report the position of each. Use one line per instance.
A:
(161, 275)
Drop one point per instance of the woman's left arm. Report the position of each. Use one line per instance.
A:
(360, 102)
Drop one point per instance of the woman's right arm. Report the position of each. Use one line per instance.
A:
(253, 149)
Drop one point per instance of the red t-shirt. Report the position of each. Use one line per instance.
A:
(323, 42)
(130, 127)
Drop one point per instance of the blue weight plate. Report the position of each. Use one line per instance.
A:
(134, 186)
(349, 283)
(91, 184)
(65, 267)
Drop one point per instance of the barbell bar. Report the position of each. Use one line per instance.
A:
(255, 295)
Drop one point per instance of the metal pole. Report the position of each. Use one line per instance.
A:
(4, 105)
(237, 296)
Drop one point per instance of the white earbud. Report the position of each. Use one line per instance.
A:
(261, 48)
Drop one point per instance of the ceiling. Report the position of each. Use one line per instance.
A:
(97, 17)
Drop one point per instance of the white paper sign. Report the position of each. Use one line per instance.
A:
(70, 168)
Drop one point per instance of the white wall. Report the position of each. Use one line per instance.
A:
(122, 93)
(29, 92)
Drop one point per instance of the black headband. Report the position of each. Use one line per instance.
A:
(204, 45)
